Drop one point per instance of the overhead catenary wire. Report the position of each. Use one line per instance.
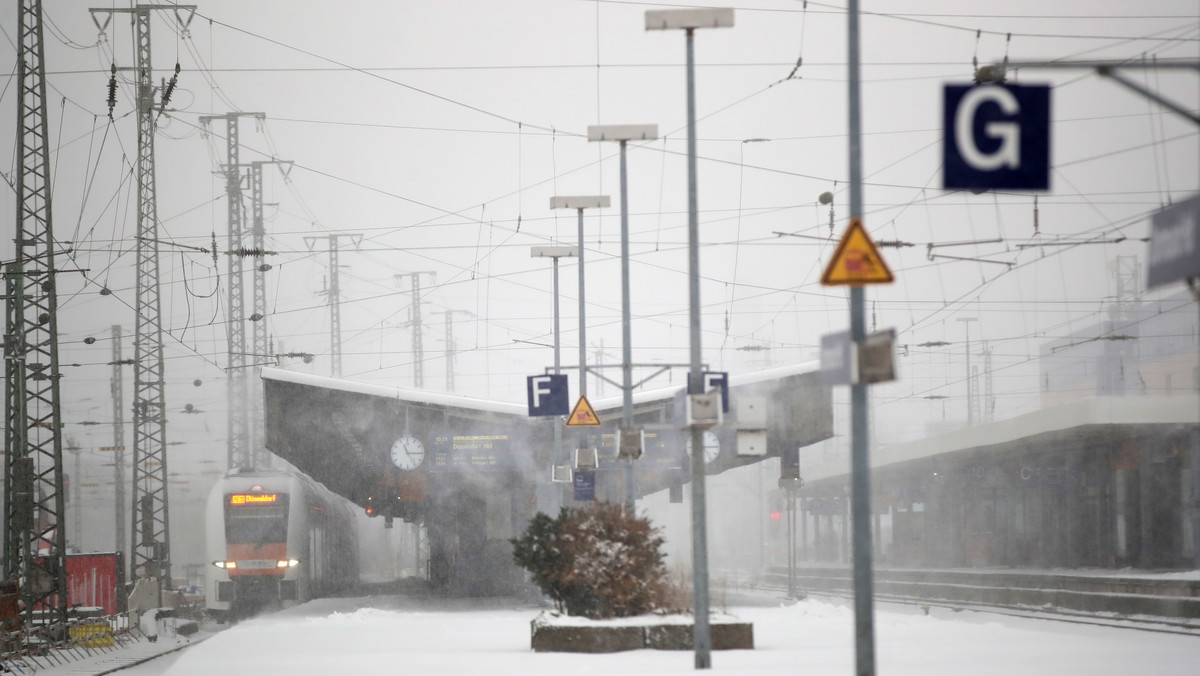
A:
(496, 221)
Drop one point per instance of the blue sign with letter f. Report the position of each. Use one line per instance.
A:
(548, 395)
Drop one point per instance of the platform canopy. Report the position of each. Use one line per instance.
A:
(342, 433)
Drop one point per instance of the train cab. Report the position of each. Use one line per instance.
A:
(274, 539)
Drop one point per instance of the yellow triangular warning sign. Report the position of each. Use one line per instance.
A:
(583, 415)
(856, 261)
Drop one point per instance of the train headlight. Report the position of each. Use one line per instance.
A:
(287, 564)
(225, 564)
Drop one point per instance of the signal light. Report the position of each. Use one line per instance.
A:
(775, 516)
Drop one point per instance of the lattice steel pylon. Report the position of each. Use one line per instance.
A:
(258, 320)
(150, 546)
(35, 518)
(334, 293)
(450, 351)
(418, 344)
(240, 453)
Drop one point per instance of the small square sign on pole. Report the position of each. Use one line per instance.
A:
(585, 485)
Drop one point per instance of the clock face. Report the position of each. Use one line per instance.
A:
(712, 446)
(408, 452)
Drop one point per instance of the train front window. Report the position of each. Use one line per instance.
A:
(256, 519)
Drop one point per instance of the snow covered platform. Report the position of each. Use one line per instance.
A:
(469, 637)
(560, 633)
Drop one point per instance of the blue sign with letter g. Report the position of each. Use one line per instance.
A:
(996, 136)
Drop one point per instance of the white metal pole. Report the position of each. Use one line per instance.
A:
(864, 609)
(626, 334)
(702, 637)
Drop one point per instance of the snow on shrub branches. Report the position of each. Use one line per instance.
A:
(596, 561)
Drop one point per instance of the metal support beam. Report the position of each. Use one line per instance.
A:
(1110, 73)
(1109, 69)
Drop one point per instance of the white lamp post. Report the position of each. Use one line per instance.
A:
(579, 203)
(555, 253)
(688, 20)
(623, 133)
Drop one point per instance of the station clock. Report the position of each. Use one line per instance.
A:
(408, 452)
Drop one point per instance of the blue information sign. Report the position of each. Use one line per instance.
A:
(548, 395)
(996, 136)
(585, 485)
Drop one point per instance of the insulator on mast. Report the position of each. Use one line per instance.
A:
(249, 252)
(112, 91)
(168, 89)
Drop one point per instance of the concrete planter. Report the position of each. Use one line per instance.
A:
(556, 633)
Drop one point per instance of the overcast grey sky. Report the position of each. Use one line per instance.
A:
(438, 131)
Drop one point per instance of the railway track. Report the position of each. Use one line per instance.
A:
(1145, 604)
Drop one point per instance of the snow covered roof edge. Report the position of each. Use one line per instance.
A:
(394, 392)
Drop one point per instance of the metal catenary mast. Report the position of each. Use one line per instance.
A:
(35, 519)
(334, 291)
(238, 433)
(258, 320)
(418, 344)
(449, 314)
(150, 546)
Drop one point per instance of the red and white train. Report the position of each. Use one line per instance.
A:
(275, 539)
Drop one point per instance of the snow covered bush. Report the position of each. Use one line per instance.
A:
(596, 561)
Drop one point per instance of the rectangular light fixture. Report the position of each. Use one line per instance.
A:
(579, 201)
(666, 19)
(623, 132)
(554, 252)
